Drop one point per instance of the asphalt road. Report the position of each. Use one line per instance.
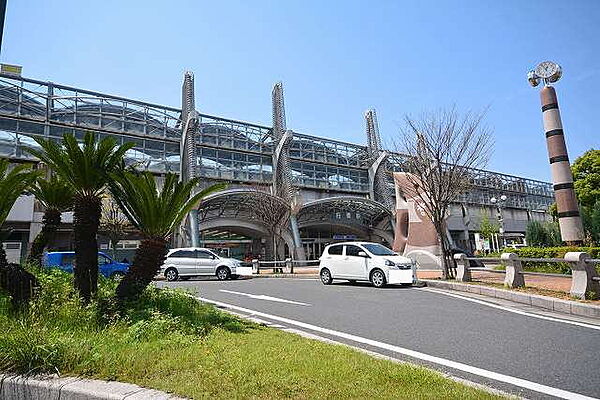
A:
(443, 328)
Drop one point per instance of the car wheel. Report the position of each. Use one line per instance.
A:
(171, 274)
(326, 277)
(378, 278)
(223, 273)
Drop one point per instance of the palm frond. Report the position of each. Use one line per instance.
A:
(84, 166)
(155, 212)
(53, 193)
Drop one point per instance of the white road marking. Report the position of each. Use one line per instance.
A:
(265, 297)
(536, 387)
(513, 310)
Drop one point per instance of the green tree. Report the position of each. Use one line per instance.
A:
(542, 234)
(591, 223)
(156, 213)
(113, 223)
(535, 234)
(86, 168)
(13, 182)
(552, 233)
(487, 228)
(56, 196)
(586, 176)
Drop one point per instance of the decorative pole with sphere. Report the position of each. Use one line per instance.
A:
(571, 227)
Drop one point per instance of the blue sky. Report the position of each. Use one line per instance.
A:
(336, 59)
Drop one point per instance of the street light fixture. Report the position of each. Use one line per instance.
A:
(500, 204)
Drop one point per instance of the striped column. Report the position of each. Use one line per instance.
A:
(571, 228)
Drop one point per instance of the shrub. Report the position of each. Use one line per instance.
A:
(58, 331)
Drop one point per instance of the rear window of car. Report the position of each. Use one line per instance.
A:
(335, 250)
(205, 255)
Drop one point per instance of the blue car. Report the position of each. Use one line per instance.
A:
(64, 261)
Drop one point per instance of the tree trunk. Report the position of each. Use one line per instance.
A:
(50, 223)
(444, 247)
(86, 219)
(148, 259)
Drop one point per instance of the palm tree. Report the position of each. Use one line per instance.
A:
(56, 196)
(156, 213)
(13, 182)
(86, 168)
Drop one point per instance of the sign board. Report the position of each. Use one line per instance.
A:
(11, 69)
(481, 243)
(344, 237)
(13, 251)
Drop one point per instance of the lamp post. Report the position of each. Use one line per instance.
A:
(500, 203)
(571, 227)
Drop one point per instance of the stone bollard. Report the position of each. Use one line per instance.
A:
(514, 271)
(255, 267)
(463, 273)
(582, 284)
(289, 267)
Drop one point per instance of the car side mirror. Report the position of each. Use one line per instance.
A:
(363, 254)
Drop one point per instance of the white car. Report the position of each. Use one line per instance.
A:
(364, 261)
(184, 263)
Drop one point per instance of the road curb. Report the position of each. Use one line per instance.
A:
(52, 387)
(297, 276)
(534, 300)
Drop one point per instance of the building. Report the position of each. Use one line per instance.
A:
(342, 190)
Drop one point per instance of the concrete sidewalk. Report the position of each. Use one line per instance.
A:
(553, 283)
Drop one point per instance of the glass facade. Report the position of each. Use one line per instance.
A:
(227, 149)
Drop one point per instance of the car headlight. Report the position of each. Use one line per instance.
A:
(389, 263)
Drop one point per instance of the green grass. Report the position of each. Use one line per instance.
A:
(170, 342)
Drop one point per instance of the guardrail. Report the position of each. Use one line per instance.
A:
(585, 282)
(278, 266)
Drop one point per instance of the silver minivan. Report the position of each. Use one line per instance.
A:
(365, 261)
(184, 263)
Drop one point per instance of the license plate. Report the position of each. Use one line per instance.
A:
(243, 270)
(400, 276)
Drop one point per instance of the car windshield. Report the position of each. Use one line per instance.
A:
(379, 250)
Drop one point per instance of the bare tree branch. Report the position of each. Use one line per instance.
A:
(443, 150)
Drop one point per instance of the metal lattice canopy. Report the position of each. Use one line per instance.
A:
(347, 209)
(237, 203)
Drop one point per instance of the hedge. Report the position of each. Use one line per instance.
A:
(550, 252)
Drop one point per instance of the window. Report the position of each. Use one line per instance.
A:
(352, 250)
(67, 259)
(103, 259)
(183, 254)
(379, 250)
(335, 250)
(205, 255)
